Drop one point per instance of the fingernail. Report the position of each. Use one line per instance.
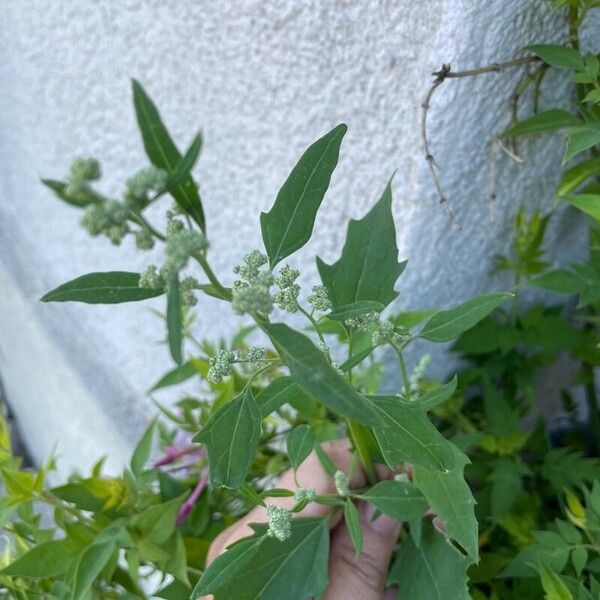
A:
(382, 524)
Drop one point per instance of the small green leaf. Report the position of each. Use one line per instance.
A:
(548, 120)
(325, 460)
(450, 498)
(560, 280)
(157, 522)
(407, 435)
(141, 454)
(311, 371)
(368, 268)
(58, 187)
(280, 391)
(554, 587)
(163, 153)
(579, 558)
(572, 178)
(111, 287)
(437, 396)
(586, 203)
(177, 375)
(269, 569)
(48, 559)
(433, 570)
(89, 567)
(174, 320)
(355, 309)
(289, 223)
(449, 324)
(397, 499)
(231, 439)
(580, 139)
(300, 443)
(187, 163)
(356, 359)
(559, 57)
(353, 525)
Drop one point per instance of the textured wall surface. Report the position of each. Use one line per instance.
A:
(262, 79)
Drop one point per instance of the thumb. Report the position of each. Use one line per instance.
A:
(361, 578)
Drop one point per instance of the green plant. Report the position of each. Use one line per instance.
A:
(523, 524)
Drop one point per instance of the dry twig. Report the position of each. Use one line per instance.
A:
(440, 76)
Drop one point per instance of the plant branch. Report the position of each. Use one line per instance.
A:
(440, 76)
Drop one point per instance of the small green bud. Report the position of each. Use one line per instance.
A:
(319, 299)
(402, 477)
(144, 239)
(280, 522)
(287, 298)
(341, 483)
(323, 347)
(305, 494)
(362, 322)
(85, 169)
(187, 288)
(287, 277)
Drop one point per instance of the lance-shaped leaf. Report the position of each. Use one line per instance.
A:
(397, 499)
(300, 443)
(174, 320)
(433, 570)
(368, 268)
(449, 324)
(178, 375)
(586, 203)
(559, 57)
(48, 559)
(93, 559)
(111, 287)
(163, 153)
(272, 569)
(58, 187)
(548, 120)
(352, 519)
(407, 435)
(186, 164)
(437, 396)
(280, 391)
(451, 500)
(312, 372)
(231, 439)
(289, 224)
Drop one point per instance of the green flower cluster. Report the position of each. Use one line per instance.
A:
(387, 333)
(287, 295)
(221, 364)
(319, 299)
(181, 245)
(109, 218)
(362, 322)
(280, 522)
(342, 483)
(305, 494)
(419, 372)
(146, 180)
(251, 293)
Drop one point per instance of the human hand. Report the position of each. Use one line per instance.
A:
(350, 578)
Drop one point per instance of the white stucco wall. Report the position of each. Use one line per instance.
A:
(262, 79)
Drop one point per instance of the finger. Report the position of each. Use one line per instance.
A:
(310, 475)
(361, 578)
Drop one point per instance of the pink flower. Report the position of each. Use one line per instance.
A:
(187, 507)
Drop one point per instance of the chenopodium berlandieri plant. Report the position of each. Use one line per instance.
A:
(288, 556)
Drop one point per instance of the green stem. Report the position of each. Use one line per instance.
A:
(225, 293)
(404, 372)
(141, 220)
(357, 435)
